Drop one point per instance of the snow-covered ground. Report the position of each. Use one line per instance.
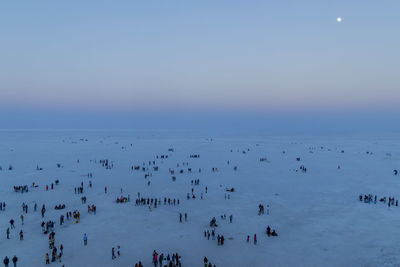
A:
(317, 214)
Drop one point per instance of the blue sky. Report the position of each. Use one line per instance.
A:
(151, 59)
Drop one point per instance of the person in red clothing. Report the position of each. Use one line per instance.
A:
(155, 260)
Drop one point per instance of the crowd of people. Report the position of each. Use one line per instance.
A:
(55, 253)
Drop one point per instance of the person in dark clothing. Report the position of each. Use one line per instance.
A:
(14, 260)
(113, 253)
(205, 261)
(268, 230)
(6, 261)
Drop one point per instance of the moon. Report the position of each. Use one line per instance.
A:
(339, 19)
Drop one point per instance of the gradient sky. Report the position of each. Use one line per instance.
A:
(67, 58)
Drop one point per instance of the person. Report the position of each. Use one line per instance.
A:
(8, 233)
(85, 239)
(14, 260)
(205, 261)
(47, 258)
(155, 260)
(113, 253)
(6, 261)
(274, 233)
(255, 239)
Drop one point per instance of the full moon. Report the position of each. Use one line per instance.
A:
(339, 19)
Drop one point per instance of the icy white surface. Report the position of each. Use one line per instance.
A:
(317, 214)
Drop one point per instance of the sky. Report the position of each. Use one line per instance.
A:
(158, 64)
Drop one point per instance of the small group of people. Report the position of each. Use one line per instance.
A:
(10, 168)
(105, 163)
(180, 217)
(303, 169)
(213, 222)
(208, 234)
(195, 182)
(113, 252)
(220, 240)
(261, 209)
(24, 207)
(79, 190)
(207, 263)
(51, 186)
(271, 233)
(59, 207)
(54, 255)
(123, 199)
(254, 239)
(92, 209)
(370, 198)
(166, 261)
(76, 215)
(6, 261)
(150, 201)
(47, 227)
(223, 217)
(21, 188)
